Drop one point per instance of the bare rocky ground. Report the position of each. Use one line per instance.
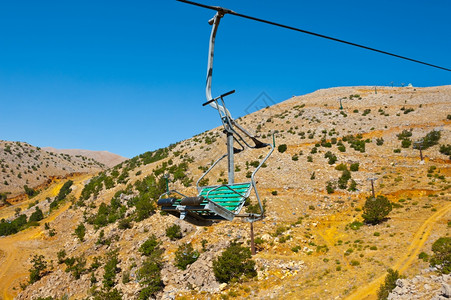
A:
(331, 260)
(425, 286)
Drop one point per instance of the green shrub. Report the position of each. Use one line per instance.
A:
(389, 284)
(149, 276)
(429, 140)
(442, 254)
(356, 142)
(312, 176)
(78, 268)
(354, 167)
(282, 148)
(185, 255)
(233, 264)
(111, 269)
(355, 263)
(343, 180)
(65, 190)
(125, 224)
(355, 225)
(151, 247)
(379, 141)
(279, 231)
(174, 232)
(341, 167)
(406, 143)
(352, 186)
(107, 214)
(30, 192)
(144, 208)
(423, 256)
(376, 209)
(296, 249)
(405, 134)
(37, 271)
(80, 232)
(110, 294)
(36, 216)
(330, 188)
(8, 228)
(61, 255)
(332, 158)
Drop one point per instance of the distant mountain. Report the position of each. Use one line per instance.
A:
(107, 158)
(23, 164)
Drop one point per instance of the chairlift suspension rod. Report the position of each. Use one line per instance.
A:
(223, 11)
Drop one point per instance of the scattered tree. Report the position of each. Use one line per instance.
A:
(376, 209)
(234, 263)
(37, 271)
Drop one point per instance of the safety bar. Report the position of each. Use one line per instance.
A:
(209, 169)
(253, 179)
(221, 96)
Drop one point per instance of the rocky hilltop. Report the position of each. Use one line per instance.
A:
(23, 164)
(107, 238)
(104, 157)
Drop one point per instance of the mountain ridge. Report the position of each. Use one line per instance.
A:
(107, 158)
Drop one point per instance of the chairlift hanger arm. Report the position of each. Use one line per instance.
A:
(222, 11)
(223, 95)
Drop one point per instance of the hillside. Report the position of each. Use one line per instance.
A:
(23, 164)
(104, 157)
(313, 243)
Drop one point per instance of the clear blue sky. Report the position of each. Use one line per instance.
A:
(129, 77)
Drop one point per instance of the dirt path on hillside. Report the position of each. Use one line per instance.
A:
(16, 250)
(369, 291)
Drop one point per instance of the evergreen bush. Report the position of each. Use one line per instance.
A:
(376, 209)
(234, 263)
